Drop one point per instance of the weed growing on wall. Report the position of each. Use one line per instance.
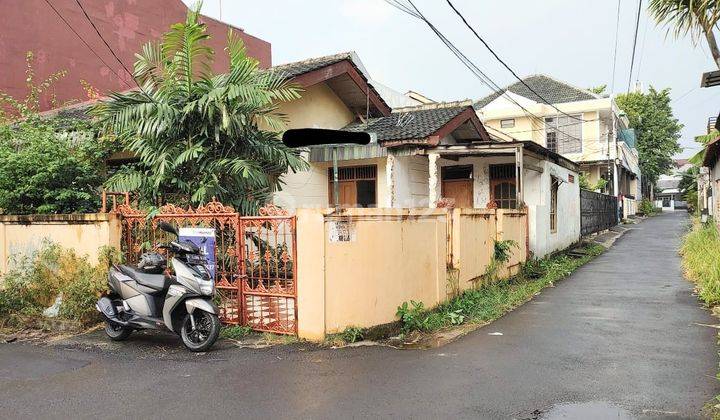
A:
(493, 300)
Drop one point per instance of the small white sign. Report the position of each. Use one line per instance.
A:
(341, 231)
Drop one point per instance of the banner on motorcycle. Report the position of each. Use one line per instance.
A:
(203, 238)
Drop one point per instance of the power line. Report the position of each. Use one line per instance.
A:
(103, 40)
(415, 12)
(460, 15)
(642, 49)
(632, 60)
(617, 29)
(85, 42)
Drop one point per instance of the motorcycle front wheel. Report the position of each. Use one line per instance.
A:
(205, 332)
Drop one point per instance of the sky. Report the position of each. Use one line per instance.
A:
(571, 40)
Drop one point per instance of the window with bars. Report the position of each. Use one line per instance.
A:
(357, 186)
(502, 185)
(564, 134)
(554, 184)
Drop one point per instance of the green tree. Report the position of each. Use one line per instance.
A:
(698, 18)
(47, 165)
(658, 131)
(50, 167)
(688, 187)
(199, 135)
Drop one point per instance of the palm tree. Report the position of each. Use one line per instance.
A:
(695, 17)
(198, 135)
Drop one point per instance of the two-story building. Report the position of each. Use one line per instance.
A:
(585, 127)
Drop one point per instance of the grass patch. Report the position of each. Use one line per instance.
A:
(491, 301)
(700, 253)
(235, 332)
(348, 336)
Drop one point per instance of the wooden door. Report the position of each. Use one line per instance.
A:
(348, 194)
(460, 190)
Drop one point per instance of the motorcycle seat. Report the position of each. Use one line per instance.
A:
(154, 281)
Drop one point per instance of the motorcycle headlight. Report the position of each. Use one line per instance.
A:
(207, 287)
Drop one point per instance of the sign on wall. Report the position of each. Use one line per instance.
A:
(203, 238)
(341, 231)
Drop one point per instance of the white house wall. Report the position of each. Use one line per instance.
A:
(537, 198)
(411, 178)
(309, 189)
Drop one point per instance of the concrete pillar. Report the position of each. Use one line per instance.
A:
(390, 181)
(433, 179)
(311, 274)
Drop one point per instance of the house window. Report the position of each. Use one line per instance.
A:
(564, 134)
(357, 186)
(502, 186)
(509, 123)
(554, 184)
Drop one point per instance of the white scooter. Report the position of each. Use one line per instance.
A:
(146, 297)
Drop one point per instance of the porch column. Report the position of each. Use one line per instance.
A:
(390, 181)
(433, 181)
(519, 177)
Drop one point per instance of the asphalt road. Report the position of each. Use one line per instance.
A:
(618, 339)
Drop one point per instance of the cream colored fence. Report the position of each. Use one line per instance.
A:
(85, 233)
(358, 266)
(629, 207)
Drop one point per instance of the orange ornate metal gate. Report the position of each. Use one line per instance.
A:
(255, 273)
(269, 285)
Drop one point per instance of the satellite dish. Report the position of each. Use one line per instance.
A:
(303, 137)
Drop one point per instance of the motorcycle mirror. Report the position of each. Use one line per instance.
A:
(303, 137)
(167, 227)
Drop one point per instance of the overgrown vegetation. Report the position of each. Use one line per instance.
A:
(492, 300)
(34, 281)
(701, 260)
(502, 251)
(47, 165)
(586, 185)
(647, 207)
(349, 335)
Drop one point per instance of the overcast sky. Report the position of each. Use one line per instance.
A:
(572, 40)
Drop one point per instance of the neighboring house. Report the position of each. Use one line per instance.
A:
(32, 25)
(423, 156)
(591, 130)
(711, 170)
(669, 195)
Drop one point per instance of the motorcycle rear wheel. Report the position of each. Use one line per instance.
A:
(117, 332)
(205, 333)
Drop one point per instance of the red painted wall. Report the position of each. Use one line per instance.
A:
(31, 25)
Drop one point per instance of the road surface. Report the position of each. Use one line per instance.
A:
(620, 338)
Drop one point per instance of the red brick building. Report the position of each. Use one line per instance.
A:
(33, 25)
